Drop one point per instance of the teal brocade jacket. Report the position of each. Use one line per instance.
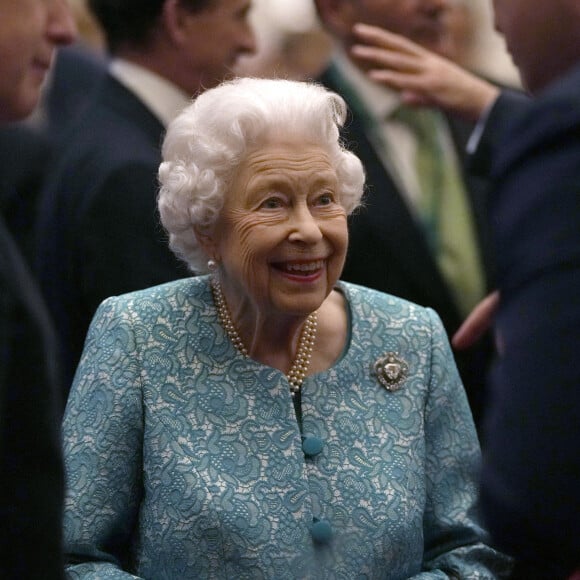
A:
(186, 460)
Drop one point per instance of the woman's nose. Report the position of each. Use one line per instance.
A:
(304, 226)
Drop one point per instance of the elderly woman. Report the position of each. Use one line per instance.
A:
(267, 420)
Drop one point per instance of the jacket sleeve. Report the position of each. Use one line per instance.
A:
(487, 136)
(455, 544)
(103, 432)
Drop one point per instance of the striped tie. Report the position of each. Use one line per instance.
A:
(444, 209)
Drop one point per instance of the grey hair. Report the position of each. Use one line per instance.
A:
(207, 142)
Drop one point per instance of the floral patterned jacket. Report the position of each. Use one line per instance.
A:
(186, 460)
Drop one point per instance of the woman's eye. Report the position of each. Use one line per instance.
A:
(271, 203)
(325, 199)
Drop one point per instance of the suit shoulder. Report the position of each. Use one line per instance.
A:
(108, 135)
(549, 124)
(116, 125)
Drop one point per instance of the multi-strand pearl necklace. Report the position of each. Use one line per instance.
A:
(301, 363)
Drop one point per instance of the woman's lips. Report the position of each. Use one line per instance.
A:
(301, 268)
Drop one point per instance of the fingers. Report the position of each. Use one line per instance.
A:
(422, 77)
(397, 62)
(384, 39)
(477, 323)
(385, 57)
(396, 70)
(387, 49)
(402, 80)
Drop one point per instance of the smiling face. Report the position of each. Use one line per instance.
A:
(30, 30)
(282, 235)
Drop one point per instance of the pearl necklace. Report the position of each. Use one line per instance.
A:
(301, 363)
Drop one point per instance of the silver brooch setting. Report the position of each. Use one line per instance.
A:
(391, 370)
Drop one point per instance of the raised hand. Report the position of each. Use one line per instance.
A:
(424, 78)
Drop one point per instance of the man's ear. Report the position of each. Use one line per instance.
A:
(338, 16)
(175, 18)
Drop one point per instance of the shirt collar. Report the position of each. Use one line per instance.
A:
(163, 98)
(379, 101)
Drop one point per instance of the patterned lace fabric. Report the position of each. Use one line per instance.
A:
(185, 460)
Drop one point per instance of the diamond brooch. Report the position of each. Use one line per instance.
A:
(391, 370)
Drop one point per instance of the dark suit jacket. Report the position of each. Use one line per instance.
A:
(99, 233)
(78, 72)
(389, 252)
(24, 158)
(531, 472)
(27, 149)
(507, 109)
(31, 480)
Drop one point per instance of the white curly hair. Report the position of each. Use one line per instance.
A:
(207, 142)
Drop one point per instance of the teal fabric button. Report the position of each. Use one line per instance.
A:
(312, 445)
(321, 531)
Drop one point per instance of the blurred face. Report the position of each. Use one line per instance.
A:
(420, 20)
(282, 235)
(542, 37)
(216, 38)
(30, 31)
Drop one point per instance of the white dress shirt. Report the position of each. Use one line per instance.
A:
(164, 99)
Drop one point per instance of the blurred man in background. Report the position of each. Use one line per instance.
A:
(531, 470)
(422, 234)
(99, 230)
(31, 484)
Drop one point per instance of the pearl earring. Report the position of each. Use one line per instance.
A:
(211, 265)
